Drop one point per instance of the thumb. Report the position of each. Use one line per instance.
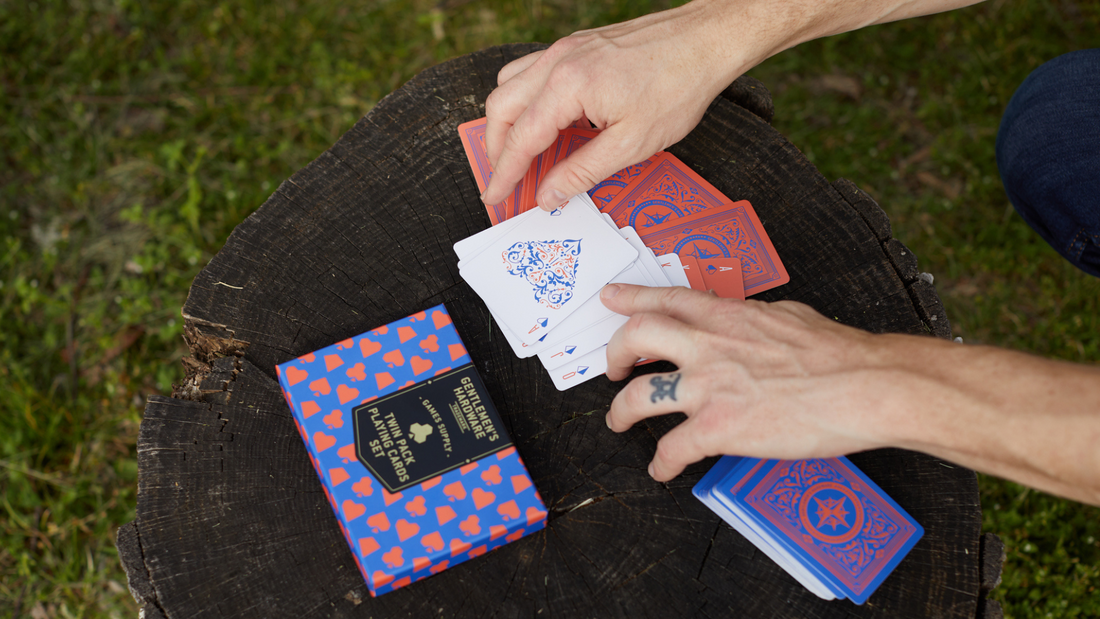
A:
(602, 156)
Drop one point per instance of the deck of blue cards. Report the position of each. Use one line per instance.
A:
(540, 275)
(821, 520)
(411, 452)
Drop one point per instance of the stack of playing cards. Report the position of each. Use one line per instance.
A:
(656, 223)
(821, 520)
(540, 275)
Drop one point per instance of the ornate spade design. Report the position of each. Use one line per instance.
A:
(550, 267)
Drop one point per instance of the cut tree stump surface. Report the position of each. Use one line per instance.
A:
(231, 518)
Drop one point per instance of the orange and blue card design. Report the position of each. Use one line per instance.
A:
(824, 517)
(673, 208)
(411, 452)
(729, 230)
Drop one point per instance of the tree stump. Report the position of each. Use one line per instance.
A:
(232, 521)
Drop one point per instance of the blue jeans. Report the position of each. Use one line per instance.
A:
(1048, 152)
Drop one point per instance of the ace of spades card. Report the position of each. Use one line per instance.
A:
(546, 266)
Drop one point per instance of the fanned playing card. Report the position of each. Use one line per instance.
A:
(674, 270)
(539, 167)
(546, 267)
(692, 272)
(665, 190)
(723, 276)
(731, 230)
(473, 141)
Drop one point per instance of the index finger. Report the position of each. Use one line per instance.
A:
(533, 132)
(649, 336)
(517, 66)
(693, 307)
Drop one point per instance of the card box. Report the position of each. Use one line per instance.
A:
(413, 457)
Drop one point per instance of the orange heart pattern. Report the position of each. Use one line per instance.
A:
(394, 357)
(400, 537)
(483, 498)
(346, 394)
(419, 366)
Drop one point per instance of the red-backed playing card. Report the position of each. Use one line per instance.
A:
(539, 167)
(663, 191)
(473, 141)
(694, 275)
(730, 230)
(723, 276)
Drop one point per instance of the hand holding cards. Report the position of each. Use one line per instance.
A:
(539, 273)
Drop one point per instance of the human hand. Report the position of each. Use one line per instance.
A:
(768, 380)
(645, 83)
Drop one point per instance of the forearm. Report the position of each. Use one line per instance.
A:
(743, 33)
(1013, 415)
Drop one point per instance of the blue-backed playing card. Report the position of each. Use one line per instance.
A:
(707, 490)
(832, 518)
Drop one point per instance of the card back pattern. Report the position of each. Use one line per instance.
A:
(838, 517)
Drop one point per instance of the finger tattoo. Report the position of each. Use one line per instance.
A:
(664, 387)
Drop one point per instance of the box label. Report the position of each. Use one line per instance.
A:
(430, 428)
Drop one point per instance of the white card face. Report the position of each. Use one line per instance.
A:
(645, 257)
(772, 552)
(580, 344)
(580, 370)
(546, 267)
(473, 245)
(591, 314)
(674, 270)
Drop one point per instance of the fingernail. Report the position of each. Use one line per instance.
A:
(555, 197)
(607, 420)
(482, 196)
(651, 470)
(609, 291)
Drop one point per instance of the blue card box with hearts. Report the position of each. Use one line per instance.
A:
(412, 454)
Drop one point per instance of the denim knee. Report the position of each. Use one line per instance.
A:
(1048, 153)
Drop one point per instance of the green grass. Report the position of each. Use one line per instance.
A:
(135, 136)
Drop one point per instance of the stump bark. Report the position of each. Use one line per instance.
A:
(232, 521)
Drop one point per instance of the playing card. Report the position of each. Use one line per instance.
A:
(731, 230)
(579, 344)
(473, 245)
(723, 276)
(539, 167)
(580, 370)
(674, 270)
(833, 520)
(645, 258)
(473, 141)
(546, 267)
(693, 274)
(591, 314)
(704, 491)
(664, 191)
(559, 352)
